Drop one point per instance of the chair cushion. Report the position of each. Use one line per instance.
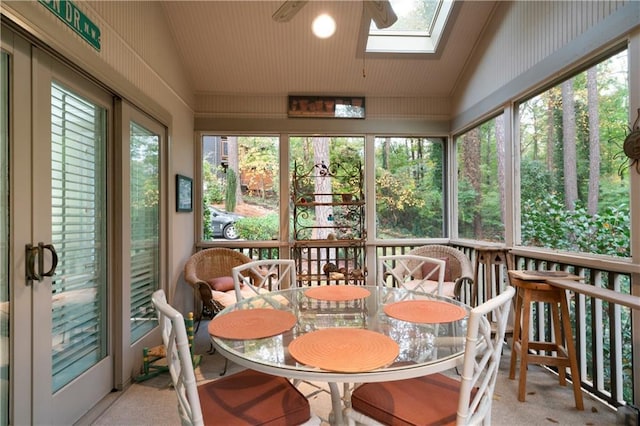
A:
(428, 267)
(252, 398)
(228, 298)
(427, 400)
(221, 283)
(429, 286)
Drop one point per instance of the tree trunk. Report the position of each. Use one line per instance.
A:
(594, 141)
(419, 170)
(535, 142)
(232, 147)
(324, 214)
(569, 146)
(550, 131)
(386, 153)
(500, 152)
(470, 169)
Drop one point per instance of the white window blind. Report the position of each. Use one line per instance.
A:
(145, 227)
(78, 209)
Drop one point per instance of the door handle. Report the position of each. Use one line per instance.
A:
(54, 259)
(32, 252)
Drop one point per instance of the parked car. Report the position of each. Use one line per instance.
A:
(222, 223)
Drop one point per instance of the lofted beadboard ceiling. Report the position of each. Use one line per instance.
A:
(235, 47)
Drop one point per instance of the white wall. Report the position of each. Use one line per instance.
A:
(274, 107)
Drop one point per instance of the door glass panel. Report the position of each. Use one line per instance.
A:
(145, 227)
(78, 203)
(4, 240)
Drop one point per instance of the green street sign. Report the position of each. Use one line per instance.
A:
(75, 19)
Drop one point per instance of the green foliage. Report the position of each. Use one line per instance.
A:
(535, 180)
(479, 202)
(232, 187)
(547, 223)
(409, 201)
(429, 220)
(348, 220)
(259, 228)
(395, 195)
(259, 163)
(467, 208)
(207, 230)
(213, 184)
(144, 190)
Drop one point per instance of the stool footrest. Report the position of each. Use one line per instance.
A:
(548, 347)
(547, 360)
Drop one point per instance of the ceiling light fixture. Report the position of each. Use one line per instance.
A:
(324, 26)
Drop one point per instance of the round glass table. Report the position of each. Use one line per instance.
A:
(432, 344)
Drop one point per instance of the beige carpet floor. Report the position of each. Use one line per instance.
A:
(153, 402)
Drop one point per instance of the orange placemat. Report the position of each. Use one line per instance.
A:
(251, 324)
(425, 311)
(347, 350)
(337, 293)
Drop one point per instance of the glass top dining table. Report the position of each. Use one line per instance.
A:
(422, 347)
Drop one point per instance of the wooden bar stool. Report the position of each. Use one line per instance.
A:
(536, 290)
(489, 260)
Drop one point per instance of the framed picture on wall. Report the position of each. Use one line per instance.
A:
(184, 194)
(326, 107)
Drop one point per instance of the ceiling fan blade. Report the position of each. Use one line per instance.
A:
(381, 13)
(288, 9)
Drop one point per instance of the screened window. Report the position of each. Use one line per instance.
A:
(145, 227)
(574, 178)
(240, 187)
(409, 187)
(481, 182)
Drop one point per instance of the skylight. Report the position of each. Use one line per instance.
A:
(418, 29)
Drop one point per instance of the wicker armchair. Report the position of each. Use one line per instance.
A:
(206, 265)
(460, 267)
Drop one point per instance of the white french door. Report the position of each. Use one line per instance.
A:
(70, 220)
(62, 364)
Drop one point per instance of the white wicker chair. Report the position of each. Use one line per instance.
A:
(258, 276)
(460, 268)
(248, 397)
(437, 398)
(412, 272)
